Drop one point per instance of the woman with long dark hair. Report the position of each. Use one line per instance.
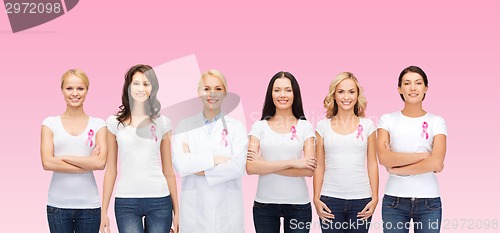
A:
(139, 134)
(281, 152)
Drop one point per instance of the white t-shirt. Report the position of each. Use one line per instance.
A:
(73, 190)
(141, 172)
(274, 188)
(346, 176)
(412, 135)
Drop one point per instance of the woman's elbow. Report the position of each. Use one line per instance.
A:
(101, 166)
(46, 166)
(309, 173)
(250, 169)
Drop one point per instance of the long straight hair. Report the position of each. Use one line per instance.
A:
(152, 105)
(269, 109)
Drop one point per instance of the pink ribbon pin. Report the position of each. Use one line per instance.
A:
(424, 130)
(360, 132)
(153, 133)
(294, 133)
(224, 140)
(90, 135)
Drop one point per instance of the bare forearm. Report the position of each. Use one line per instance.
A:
(296, 172)
(396, 159)
(374, 180)
(58, 165)
(108, 186)
(424, 166)
(172, 187)
(265, 167)
(88, 163)
(319, 173)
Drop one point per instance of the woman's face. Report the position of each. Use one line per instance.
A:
(74, 91)
(412, 87)
(346, 95)
(140, 87)
(212, 92)
(282, 93)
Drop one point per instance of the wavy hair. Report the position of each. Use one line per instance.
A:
(331, 105)
(152, 105)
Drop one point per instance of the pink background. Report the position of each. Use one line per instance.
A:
(455, 43)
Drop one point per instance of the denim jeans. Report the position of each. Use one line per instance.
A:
(345, 212)
(425, 212)
(296, 217)
(73, 220)
(156, 211)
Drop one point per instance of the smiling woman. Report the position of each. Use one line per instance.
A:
(72, 146)
(210, 157)
(346, 180)
(411, 144)
(281, 152)
(147, 188)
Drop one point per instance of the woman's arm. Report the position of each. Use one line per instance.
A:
(390, 159)
(49, 162)
(308, 153)
(234, 165)
(90, 163)
(109, 180)
(185, 162)
(257, 166)
(434, 163)
(372, 167)
(168, 172)
(324, 213)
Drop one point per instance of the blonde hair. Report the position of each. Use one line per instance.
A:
(78, 73)
(214, 73)
(331, 106)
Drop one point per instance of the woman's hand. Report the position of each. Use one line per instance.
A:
(368, 210)
(254, 156)
(324, 213)
(104, 224)
(306, 162)
(175, 224)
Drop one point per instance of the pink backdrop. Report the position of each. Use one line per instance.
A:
(455, 43)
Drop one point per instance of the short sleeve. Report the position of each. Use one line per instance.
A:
(48, 122)
(166, 124)
(439, 126)
(308, 130)
(112, 124)
(320, 128)
(256, 130)
(370, 126)
(383, 122)
(99, 123)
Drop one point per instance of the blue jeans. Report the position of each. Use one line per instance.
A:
(345, 212)
(157, 213)
(425, 212)
(73, 220)
(297, 217)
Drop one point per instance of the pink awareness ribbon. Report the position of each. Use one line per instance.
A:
(153, 133)
(224, 140)
(360, 132)
(90, 135)
(294, 133)
(424, 130)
